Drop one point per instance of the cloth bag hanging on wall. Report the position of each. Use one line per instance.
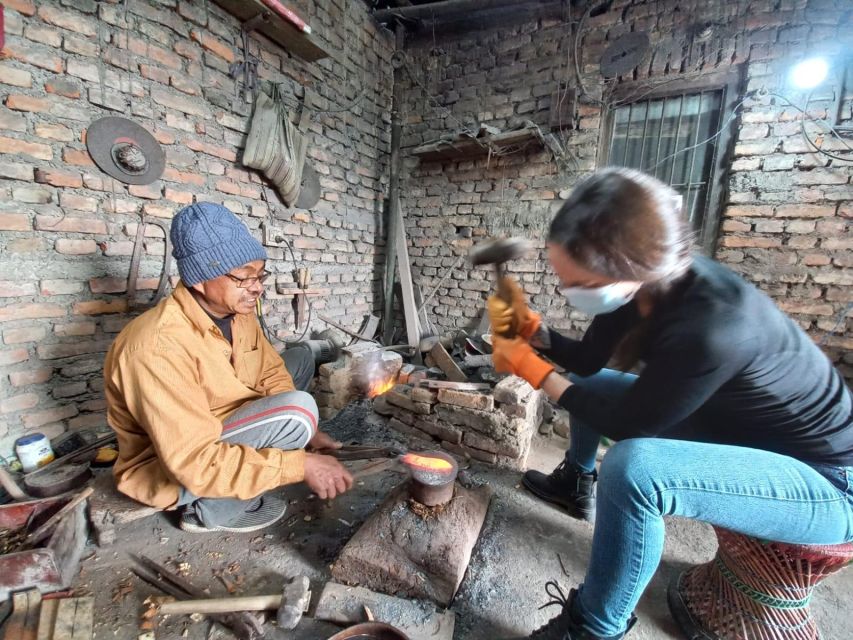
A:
(275, 146)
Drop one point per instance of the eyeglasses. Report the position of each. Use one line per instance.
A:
(245, 283)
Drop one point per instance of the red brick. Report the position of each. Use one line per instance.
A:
(34, 149)
(40, 418)
(63, 87)
(99, 307)
(213, 45)
(30, 311)
(147, 191)
(15, 222)
(117, 248)
(71, 225)
(54, 132)
(749, 211)
(81, 46)
(183, 177)
(79, 203)
(816, 260)
(164, 137)
(12, 121)
(156, 74)
(57, 178)
(805, 211)
(15, 77)
(75, 329)
(26, 7)
(20, 402)
(26, 245)
(752, 241)
(180, 102)
(212, 150)
(73, 348)
(17, 171)
(25, 334)
(806, 308)
(14, 288)
(74, 156)
(72, 21)
(69, 390)
(75, 247)
(14, 356)
(181, 197)
(33, 376)
(226, 186)
(187, 49)
(158, 210)
(60, 287)
(88, 421)
(165, 58)
(181, 83)
(43, 35)
(27, 103)
(36, 56)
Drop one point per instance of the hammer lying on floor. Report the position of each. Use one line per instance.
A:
(289, 605)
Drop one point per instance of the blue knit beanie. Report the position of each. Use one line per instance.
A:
(208, 241)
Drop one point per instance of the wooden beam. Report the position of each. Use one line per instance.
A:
(436, 9)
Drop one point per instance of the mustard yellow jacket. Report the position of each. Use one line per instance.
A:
(171, 378)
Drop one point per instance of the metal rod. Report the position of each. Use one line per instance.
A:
(393, 193)
(660, 134)
(691, 197)
(675, 140)
(434, 9)
(628, 134)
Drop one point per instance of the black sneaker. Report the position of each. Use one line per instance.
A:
(268, 511)
(566, 486)
(567, 625)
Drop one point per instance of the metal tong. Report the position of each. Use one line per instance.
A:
(243, 624)
(361, 452)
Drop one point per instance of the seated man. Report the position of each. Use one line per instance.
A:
(207, 415)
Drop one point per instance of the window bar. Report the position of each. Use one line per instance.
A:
(628, 133)
(660, 134)
(645, 129)
(677, 134)
(689, 180)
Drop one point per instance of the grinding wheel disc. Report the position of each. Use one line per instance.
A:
(52, 482)
(623, 54)
(125, 150)
(309, 191)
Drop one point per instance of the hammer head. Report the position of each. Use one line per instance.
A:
(498, 251)
(294, 602)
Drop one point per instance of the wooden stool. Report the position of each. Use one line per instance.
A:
(754, 589)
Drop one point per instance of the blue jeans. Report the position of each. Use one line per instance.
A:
(758, 493)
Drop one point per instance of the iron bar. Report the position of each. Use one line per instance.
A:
(445, 7)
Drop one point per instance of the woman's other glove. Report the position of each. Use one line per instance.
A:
(517, 357)
(512, 318)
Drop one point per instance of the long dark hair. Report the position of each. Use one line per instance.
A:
(626, 225)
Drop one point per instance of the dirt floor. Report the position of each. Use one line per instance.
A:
(499, 597)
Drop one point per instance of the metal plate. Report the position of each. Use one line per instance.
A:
(309, 191)
(52, 482)
(108, 136)
(623, 54)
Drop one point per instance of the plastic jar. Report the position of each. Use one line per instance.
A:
(33, 451)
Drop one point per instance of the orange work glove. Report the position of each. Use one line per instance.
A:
(517, 357)
(514, 317)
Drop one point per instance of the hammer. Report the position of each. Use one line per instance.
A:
(289, 606)
(496, 252)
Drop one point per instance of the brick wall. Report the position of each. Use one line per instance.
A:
(787, 215)
(67, 230)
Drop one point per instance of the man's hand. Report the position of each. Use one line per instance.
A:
(513, 317)
(325, 476)
(323, 441)
(517, 357)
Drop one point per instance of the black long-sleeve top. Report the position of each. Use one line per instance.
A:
(720, 352)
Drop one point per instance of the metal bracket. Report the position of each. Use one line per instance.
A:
(253, 23)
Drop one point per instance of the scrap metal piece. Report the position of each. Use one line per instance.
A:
(125, 150)
(624, 54)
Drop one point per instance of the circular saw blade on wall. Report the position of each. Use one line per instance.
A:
(309, 190)
(125, 150)
(624, 54)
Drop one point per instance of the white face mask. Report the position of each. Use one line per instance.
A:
(597, 301)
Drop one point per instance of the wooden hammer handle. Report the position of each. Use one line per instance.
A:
(221, 605)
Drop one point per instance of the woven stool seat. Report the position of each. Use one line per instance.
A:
(754, 589)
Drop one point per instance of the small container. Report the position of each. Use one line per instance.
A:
(33, 451)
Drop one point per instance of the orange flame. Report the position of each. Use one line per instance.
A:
(427, 463)
(378, 387)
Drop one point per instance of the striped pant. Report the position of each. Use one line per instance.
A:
(283, 421)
